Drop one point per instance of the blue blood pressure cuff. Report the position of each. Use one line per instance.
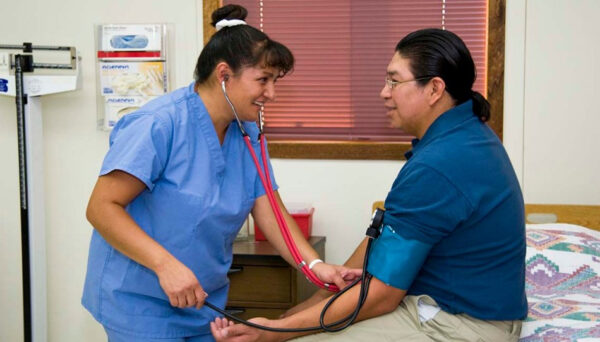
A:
(395, 260)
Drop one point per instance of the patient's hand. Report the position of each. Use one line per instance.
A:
(338, 275)
(225, 331)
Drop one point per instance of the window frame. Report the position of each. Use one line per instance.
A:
(367, 150)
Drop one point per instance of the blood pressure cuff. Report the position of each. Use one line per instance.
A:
(396, 261)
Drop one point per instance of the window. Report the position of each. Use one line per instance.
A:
(332, 109)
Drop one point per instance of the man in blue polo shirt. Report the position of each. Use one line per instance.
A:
(449, 264)
(454, 217)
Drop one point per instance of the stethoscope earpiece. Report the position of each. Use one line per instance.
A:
(239, 122)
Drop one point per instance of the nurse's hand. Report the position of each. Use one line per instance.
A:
(180, 284)
(336, 274)
(225, 331)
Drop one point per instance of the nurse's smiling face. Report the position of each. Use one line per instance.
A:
(251, 88)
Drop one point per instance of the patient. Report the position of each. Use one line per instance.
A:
(449, 263)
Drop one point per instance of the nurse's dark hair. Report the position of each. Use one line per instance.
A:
(435, 52)
(240, 46)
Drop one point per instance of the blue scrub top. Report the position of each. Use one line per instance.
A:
(198, 195)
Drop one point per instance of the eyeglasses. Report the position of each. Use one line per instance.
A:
(392, 84)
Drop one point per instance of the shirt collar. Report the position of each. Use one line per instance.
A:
(444, 123)
(194, 100)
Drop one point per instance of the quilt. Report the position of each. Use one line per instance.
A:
(562, 284)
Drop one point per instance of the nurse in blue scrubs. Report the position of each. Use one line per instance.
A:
(176, 186)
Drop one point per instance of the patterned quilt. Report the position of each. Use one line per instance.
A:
(562, 284)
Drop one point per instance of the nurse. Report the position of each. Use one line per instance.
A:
(174, 189)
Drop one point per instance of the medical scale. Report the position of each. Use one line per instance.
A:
(17, 79)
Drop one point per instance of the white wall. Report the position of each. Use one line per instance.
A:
(546, 89)
(551, 117)
(11, 311)
(341, 192)
(562, 70)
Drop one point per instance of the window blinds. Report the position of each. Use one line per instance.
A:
(342, 48)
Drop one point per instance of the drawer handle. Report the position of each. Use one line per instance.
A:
(235, 269)
(235, 311)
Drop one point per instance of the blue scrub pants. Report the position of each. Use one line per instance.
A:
(115, 336)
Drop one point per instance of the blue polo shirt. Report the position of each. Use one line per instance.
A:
(454, 226)
(198, 194)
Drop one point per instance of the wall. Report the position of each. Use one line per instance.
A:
(546, 88)
(342, 193)
(561, 84)
(550, 86)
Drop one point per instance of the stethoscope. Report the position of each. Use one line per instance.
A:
(372, 233)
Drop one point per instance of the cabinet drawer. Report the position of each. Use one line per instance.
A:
(247, 313)
(260, 284)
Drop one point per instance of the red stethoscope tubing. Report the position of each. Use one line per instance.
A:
(265, 178)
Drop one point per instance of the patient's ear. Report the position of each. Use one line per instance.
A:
(436, 88)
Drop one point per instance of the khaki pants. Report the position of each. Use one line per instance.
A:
(403, 324)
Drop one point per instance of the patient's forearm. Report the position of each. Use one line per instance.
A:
(380, 300)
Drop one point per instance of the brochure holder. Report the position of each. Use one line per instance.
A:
(132, 69)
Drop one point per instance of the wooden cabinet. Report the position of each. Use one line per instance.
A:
(262, 283)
